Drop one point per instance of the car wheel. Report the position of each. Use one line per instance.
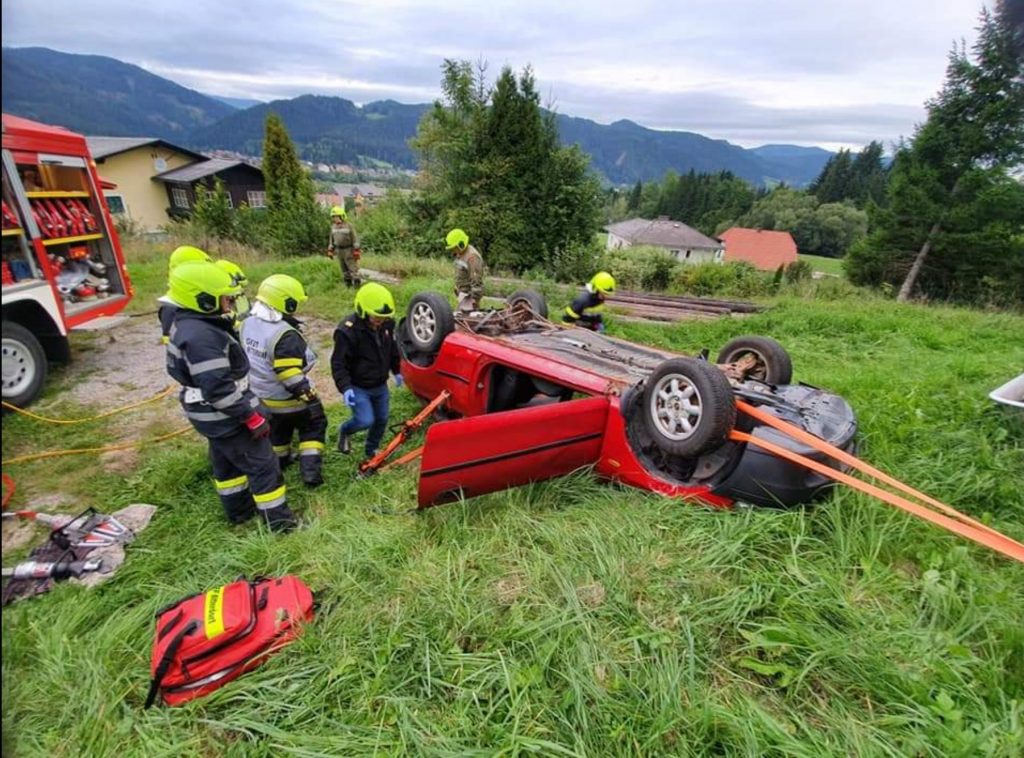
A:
(429, 321)
(688, 407)
(24, 365)
(531, 299)
(772, 363)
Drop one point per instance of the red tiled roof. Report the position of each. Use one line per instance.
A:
(765, 249)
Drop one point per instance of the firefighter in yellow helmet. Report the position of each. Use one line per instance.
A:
(365, 352)
(586, 309)
(343, 244)
(469, 270)
(242, 304)
(206, 359)
(167, 308)
(280, 360)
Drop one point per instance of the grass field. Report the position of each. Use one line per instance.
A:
(825, 265)
(570, 617)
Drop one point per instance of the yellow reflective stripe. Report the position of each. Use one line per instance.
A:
(164, 340)
(266, 497)
(571, 312)
(238, 480)
(288, 373)
(290, 403)
(281, 448)
(311, 445)
(286, 362)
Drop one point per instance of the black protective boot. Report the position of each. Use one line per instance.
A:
(310, 467)
(344, 442)
(280, 519)
(238, 507)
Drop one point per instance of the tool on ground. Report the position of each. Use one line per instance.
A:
(405, 430)
(52, 569)
(87, 529)
(207, 639)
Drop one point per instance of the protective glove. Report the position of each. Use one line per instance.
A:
(600, 326)
(329, 253)
(349, 396)
(357, 253)
(258, 426)
(399, 381)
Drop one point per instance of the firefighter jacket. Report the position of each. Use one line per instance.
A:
(343, 239)
(585, 301)
(469, 273)
(279, 359)
(362, 356)
(206, 359)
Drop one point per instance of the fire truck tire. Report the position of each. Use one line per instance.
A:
(688, 407)
(429, 321)
(531, 299)
(24, 365)
(772, 363)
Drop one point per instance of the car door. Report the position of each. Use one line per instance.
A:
(473, 456)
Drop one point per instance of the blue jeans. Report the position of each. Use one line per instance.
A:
(370, 412)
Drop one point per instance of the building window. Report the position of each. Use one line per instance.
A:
(688, 254)
(257, 199)
(116, 205)
(231, 202)
(179, 198)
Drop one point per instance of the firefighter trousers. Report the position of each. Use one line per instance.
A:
(349, 268)
(247, 475)
(312, 431)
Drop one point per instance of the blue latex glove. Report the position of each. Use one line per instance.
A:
(350, 398)
(600, 327)
(399, 381)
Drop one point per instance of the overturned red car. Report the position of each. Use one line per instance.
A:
(531, 400)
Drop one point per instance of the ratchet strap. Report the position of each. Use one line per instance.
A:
(372, 465)
(953, 520)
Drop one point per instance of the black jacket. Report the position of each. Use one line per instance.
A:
(585, 301)
(363, 357)
(203, 354)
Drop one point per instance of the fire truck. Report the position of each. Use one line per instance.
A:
(63, 269)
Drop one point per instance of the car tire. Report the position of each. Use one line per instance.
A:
(429, 320)
(24, 365)
(532, 299)
(774, 365)
(688, 407)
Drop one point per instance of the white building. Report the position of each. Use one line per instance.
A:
(685, 243)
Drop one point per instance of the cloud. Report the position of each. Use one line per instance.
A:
(837, 72)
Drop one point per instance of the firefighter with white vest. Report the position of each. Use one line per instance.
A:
(206, 359)
(280, 359)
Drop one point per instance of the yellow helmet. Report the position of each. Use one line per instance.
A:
(235, 271)
(603, 283)
(199, 286)
(375, 300)
(457, 240)
(282, 292)
(339, 210)
(186, 254)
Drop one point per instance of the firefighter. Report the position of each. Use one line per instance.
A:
(165, 312)
(280, 359)
(365, 352)
(591, 299)
(469, 270)
(242, 304)
(206, 359)
(344, 244)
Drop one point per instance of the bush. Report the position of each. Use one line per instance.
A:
(798, 271)
(642, 267)
(736, 278)
(574, 265)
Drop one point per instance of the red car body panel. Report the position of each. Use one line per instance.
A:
(486, 452)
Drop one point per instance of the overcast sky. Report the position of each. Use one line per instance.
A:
(831, 73)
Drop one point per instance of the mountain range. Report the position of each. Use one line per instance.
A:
(98, 95)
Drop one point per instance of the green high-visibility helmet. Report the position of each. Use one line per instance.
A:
(282, 292)
(199, 286)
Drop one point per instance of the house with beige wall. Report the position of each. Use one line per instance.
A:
(132, 163)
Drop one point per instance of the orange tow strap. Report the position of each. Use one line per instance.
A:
(372, 465)
(956, 522)
(410, 456)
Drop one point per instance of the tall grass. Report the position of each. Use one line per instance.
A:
(572, 617)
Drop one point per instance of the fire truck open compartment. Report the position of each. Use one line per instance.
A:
(61, 259)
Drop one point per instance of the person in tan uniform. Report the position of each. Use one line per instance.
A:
(344, 245)
(469, 270)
